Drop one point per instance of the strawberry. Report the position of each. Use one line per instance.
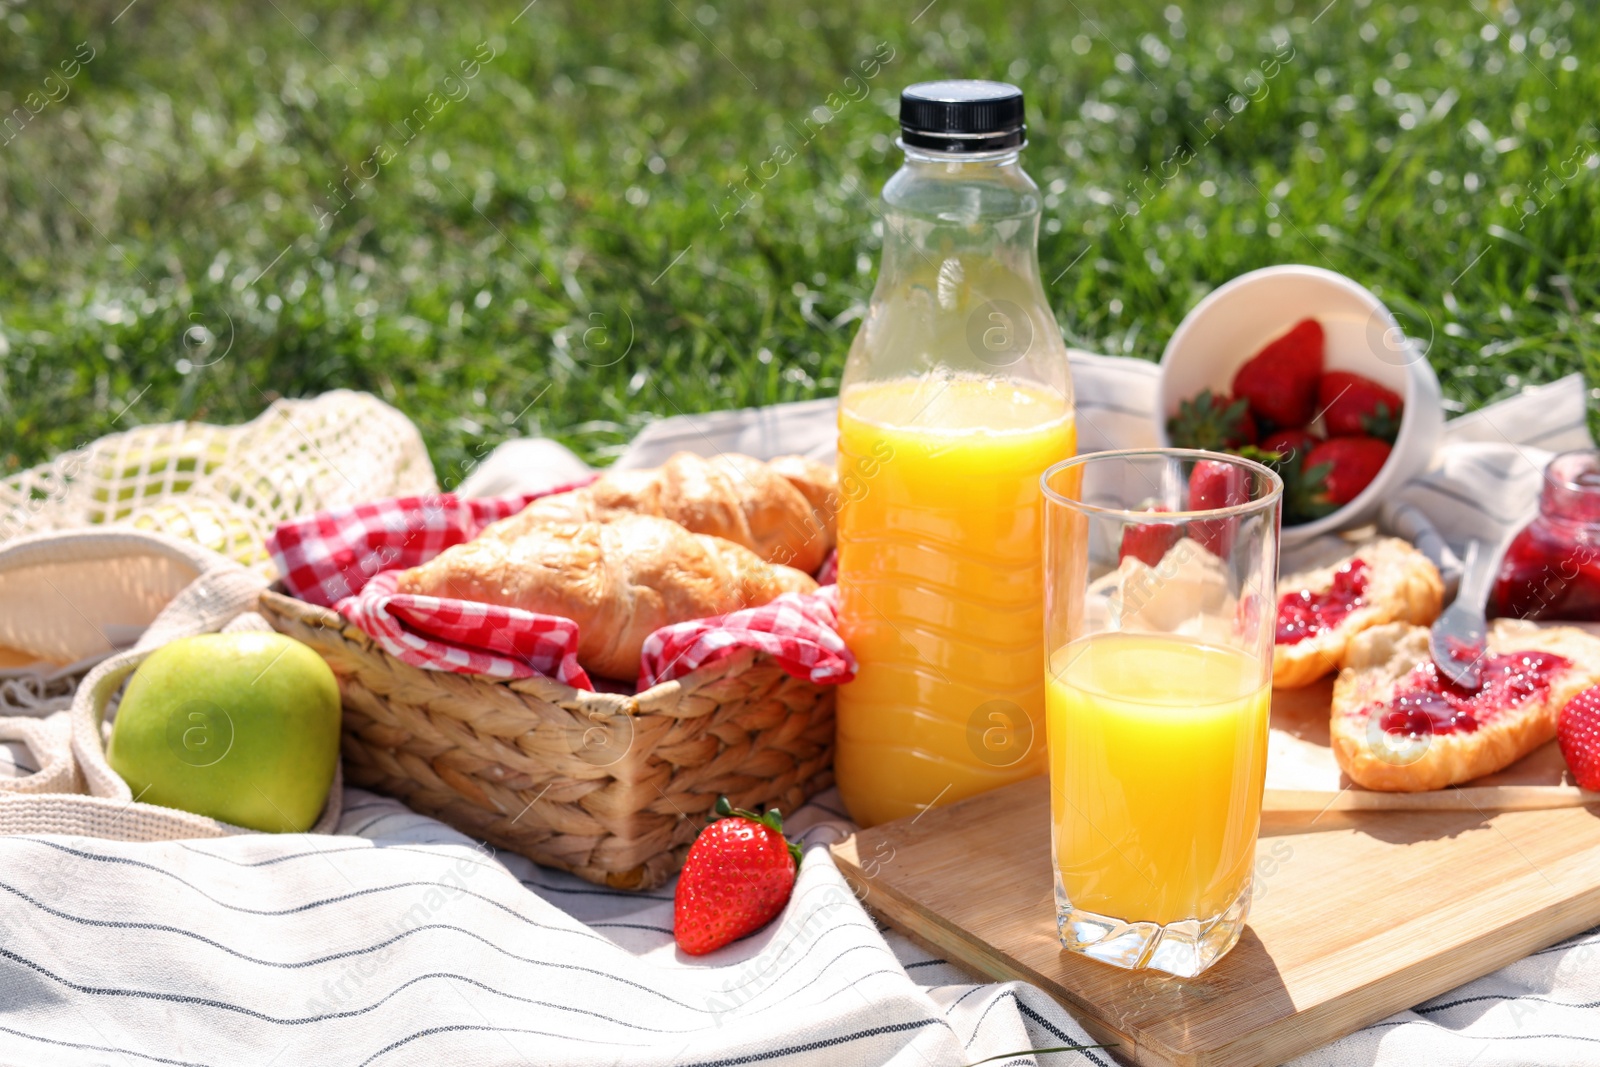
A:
(1354, 406)
(1149, 542)
(738, 876)
(1280, 381)
(1344, 466)
(1215, 485)
(1302, 497)
(1288, 443)
(1213, 421)
(1578, 731)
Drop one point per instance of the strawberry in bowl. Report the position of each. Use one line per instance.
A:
(1331, 443)
(1280, 382)
(1338, 400)
(1355, 406)
(1341, 467)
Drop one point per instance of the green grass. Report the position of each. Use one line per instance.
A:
(489, 275)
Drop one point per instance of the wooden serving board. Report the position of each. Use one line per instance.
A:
(1358, 914)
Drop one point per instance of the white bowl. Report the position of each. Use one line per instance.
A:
(1234, 321)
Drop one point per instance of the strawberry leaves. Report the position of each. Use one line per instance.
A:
(1382, 422)
(1213, 421)
(772, 820)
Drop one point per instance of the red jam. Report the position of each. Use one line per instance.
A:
(1427, 703)
(1551, 569)
(1303, 613)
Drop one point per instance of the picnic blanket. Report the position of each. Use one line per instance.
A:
(399, 941)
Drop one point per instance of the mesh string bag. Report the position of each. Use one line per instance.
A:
(225, 487)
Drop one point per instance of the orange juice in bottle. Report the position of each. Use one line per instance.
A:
(955, 399)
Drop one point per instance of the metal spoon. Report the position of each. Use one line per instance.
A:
(1458, 640)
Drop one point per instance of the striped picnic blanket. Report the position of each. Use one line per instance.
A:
(400, 941)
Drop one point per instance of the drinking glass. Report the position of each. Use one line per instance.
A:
(1160, 574)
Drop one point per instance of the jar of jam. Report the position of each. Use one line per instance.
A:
(1552, 568)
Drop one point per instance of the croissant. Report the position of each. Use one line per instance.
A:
(817, 482)
(618, 580)
(781, 511)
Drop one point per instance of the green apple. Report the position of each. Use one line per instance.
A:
(241, 727)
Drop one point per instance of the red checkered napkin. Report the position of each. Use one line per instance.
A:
(334, 554)
(799, 630)
(465, 636)
(350, 558)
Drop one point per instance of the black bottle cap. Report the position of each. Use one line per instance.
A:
(962, 117)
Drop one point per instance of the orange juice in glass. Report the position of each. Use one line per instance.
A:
(955, 399)
(1161, 568)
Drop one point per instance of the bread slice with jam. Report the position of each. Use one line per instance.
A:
(1321, 611)
(1400, 726)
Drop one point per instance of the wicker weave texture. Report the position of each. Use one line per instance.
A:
(610, 787)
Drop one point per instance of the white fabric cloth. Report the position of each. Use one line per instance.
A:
(406, 943)
(402, 942)
(36, 755)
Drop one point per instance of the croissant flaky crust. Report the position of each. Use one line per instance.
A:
(782, 511)
(1381, 658)
(1403, 585)
(618, 580)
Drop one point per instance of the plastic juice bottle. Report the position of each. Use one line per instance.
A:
(1156, 724)
(955, 399)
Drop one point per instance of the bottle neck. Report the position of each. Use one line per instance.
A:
(939, 206)
(958, 290)
(1004, 157)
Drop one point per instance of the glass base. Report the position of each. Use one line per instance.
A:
(1185, 948)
